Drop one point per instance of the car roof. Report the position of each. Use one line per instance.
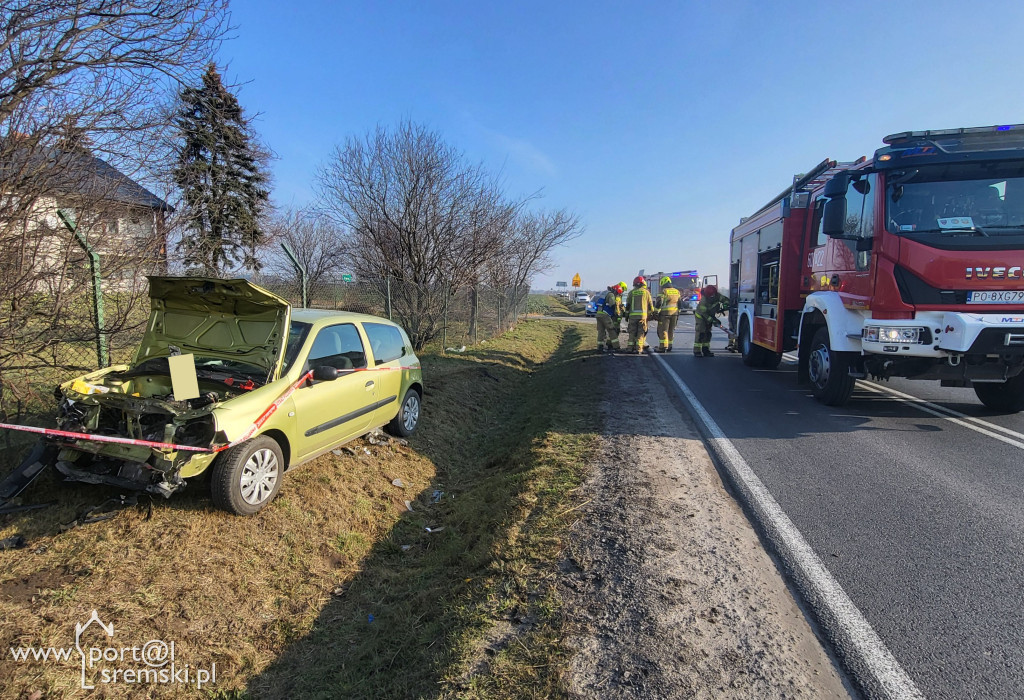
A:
(324, 316)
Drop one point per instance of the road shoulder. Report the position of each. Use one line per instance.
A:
(668, 590)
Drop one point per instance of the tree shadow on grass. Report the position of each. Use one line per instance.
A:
(394, 630)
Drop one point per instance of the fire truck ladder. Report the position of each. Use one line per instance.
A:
(806, 183)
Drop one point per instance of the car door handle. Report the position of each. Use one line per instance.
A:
(369, 384)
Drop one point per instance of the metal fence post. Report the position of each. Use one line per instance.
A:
(102, 349)
(302, 274)
(444, 329)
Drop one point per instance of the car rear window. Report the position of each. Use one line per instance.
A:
(339, 347)
(386, 342)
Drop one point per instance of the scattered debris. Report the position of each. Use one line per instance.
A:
(434, 529)
(104, 511)
(408, 505)
(12, 542)
(338, 591)
(336, 452)
(369, 618)
(350, 450)
(406, 547)
(398, 482)
(436, 497)
(367, 451)
(461, 349)
(7, 509)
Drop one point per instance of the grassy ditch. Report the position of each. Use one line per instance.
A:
(338, 589)
(549, 305)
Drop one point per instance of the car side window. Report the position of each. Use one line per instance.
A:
(386, 342)
(339, 347)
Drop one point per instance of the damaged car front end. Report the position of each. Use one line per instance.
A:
(171, 416)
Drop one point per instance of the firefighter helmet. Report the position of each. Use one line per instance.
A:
(665, 281)
(710, 290)
(619, 288)
(639, 282)
(623, 286)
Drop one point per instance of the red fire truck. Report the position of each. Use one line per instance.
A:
(910, 264)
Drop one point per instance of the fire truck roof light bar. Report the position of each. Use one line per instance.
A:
(904, 136)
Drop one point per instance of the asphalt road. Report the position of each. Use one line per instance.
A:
(920, 517)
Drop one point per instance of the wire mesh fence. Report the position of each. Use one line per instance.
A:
(432, 315)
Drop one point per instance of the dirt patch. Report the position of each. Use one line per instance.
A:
(668, 590)
(26, 589)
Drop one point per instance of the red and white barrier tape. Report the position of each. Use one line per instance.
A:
(264, 417)
(257, 424)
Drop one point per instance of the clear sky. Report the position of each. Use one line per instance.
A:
(660, 123)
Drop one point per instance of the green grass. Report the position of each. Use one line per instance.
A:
(549, 305)
(471, 611)
(282, 601)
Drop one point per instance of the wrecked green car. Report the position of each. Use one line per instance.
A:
(229, 378)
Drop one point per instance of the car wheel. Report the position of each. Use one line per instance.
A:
(248, 476)
(829, 371)
(408, 417)
(1006, 397)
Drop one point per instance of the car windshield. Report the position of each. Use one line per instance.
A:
(297, 333)
(981, 198)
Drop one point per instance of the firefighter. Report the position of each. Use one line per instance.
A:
(711, 304)
(622, 304)
(668, 313)
(608, 315)
(638, 305)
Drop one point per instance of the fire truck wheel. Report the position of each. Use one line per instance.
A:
(1007, 397)
(755, 355)
(752, 354)
(829, 371)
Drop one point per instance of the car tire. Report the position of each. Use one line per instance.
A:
(408, 417)
(829, 371)
(1005, 397)
(247, 477)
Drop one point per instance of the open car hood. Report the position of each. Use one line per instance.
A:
(218, 319)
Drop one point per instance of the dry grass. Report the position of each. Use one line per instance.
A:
(282, 602)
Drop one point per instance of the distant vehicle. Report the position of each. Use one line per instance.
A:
(582, 298)
(591, 309)
(687, 282)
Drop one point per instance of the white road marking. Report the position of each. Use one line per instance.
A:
(946, 409)
(947, 414)
(978, 425)
(854, 635)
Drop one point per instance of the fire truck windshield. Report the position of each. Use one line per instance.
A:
(985, 198)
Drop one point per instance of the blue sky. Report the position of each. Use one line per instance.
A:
(659, 123)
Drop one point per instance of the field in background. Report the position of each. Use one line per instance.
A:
(338, 589)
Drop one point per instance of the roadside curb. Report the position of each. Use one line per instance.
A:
(864, 656)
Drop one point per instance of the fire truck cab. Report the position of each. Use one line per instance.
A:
(910, 264)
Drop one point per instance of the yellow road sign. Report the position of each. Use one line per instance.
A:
(576, 280)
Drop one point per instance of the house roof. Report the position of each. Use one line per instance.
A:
(76, 173)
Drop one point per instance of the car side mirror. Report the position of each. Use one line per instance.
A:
(325, 373)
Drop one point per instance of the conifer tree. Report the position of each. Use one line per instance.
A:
(221, 173)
